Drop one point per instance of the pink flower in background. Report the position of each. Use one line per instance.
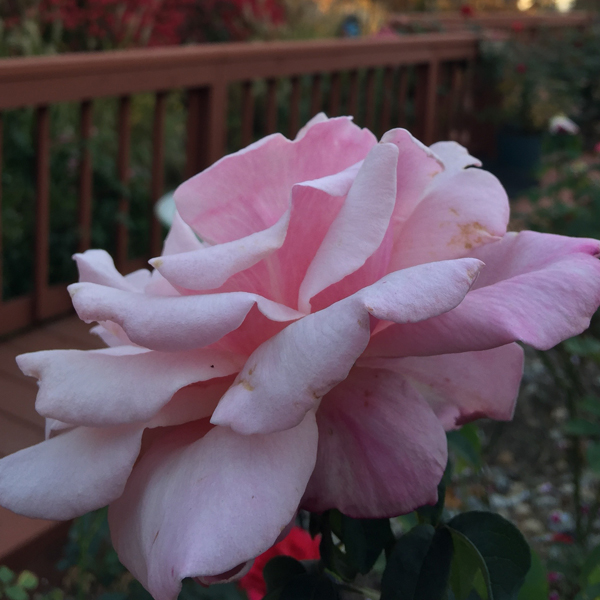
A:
(323, 310)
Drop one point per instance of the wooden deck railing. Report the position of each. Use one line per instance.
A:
(415, 70)
(524, 24)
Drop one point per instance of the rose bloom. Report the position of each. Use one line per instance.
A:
(323, 310)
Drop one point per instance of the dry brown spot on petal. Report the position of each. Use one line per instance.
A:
(246, 385)
(454, 212)
(470, 235)
(251, 370)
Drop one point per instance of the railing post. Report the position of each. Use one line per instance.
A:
(1, 236)
(206, 127)
(158, 169)
(295, 107)
(426, 101)
(123, 169)
(42, 211)
(85, 178)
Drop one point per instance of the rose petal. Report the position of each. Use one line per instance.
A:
(454, 156)
(359, 227)
(97, 266)
(466, 386)
(71, 474)
(210, 267)
(220, 210)
(417, 164)
(110, 387)
(382, 451)
(172, 323)
(191, 403)
(272, 277)
(536, 288)
(460, 210)
(199, 506)
(288, 374)
(181, 238)
(318, 118)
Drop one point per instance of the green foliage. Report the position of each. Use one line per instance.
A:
(536, 581)
(539, 79)
(473, 556)
(529, 89)
(24, 586)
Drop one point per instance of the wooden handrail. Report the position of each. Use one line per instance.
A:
(74, 77)
(501, 20)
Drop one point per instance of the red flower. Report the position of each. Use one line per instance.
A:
(298, 544)
(521, 68)
(466, 10)
(562, 538)
(517, 26)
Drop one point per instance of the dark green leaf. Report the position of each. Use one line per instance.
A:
(419, 566)
(503, 548)
(364, 540)
(583, 346)
(582, 427)
(466, 443)
(432, 513)
(113, 596)
(536, 582)
(281, 569)
(592, 560)
(401, 575)
(311, 586)
(591, 404)
(435, 571)
(315, 523)
(593, 456)
(334, 559)
(467, 562)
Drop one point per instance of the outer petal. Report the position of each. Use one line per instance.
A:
(463, 387)
(382, 450)
(460, 210)
(248, 191)
(170, 323)
(199, 506)
(288, 374)
(209, 267)
(359, 227)
(318, 118)
(108, 387)
(536, 288)
(71, 474)
(454, 156)
(97, 266)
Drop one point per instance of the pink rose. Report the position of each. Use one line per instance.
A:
(346, 303)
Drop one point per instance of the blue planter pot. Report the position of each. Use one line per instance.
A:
(521, 151)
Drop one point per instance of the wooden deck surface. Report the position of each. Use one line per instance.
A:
(20, 425)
